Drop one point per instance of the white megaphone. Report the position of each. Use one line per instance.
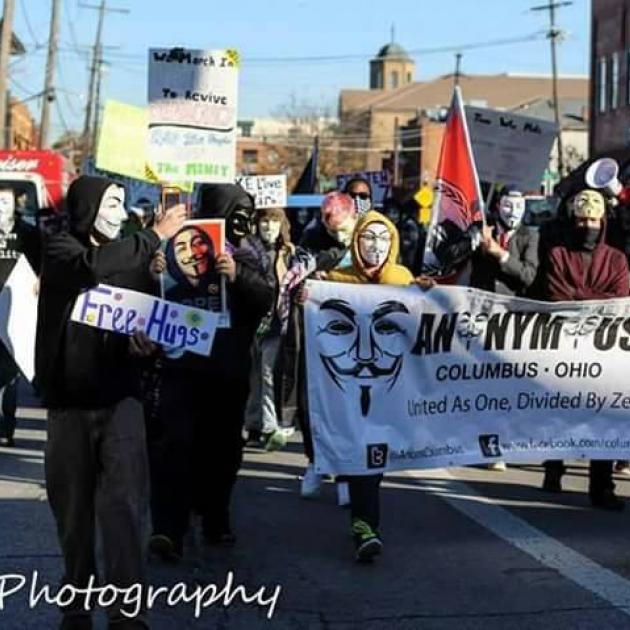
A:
(602, 175)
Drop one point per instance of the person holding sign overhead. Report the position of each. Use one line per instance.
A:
(95, 461)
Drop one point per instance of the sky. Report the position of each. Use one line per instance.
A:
(275, 36)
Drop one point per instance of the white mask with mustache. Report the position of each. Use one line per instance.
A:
(111, 213)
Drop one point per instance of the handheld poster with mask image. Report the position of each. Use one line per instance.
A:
(190, 277)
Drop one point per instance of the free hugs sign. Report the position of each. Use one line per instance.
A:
(123, 311)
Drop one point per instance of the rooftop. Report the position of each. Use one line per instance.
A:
(392, 51)
(499, 91)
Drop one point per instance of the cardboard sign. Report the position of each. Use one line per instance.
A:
(379, 181)
(18, 314)
(192, 114)
(509, 148)
(122, 146)
(190, 277)
(269, 191)
(123, 311)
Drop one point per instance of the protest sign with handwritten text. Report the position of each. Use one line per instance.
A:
(124, 311)
(192, 114)
(510, 148)
(269, 191)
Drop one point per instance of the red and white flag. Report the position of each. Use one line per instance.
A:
(457, 215)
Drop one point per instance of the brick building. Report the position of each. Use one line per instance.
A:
(23, 131)
(418, 109)
(610, 73)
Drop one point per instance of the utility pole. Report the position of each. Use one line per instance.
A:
(458, 65)
(554, 34)
(97, 103)
(49, 89)
(6, 36)
(97, 59)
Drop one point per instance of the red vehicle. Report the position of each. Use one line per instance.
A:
(43, 175)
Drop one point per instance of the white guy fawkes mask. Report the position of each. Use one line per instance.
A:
(111, 213)
(7, 211)
(512, 209)
(375, 241)
(269, 230)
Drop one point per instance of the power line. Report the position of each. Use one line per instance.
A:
(62, 118)
(65, 91)
(73, 34)
(142, 58)
(29, 26)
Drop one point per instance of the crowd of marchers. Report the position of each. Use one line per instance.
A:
(136, 432)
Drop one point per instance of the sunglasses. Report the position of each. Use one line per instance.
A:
(360, 195)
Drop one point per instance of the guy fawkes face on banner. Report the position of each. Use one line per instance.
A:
(7, 211)
(365, 350)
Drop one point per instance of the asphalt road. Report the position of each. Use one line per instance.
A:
(464, 549)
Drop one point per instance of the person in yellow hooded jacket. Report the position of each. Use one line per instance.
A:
(374, 248)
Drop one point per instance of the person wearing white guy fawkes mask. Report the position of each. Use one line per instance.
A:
(363, 368)
(507, 259)
(96, 462)
(261, 414)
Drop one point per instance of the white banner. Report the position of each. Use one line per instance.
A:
(192, 114)
(379, 182)
(269, 191)
(18, 312)
(401, 379)
(510, 149)
(175, 326)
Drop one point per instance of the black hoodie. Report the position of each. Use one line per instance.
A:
(250, 296)
(77, 366)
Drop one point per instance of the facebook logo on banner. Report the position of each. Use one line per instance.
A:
(489, 445)
(377, 455)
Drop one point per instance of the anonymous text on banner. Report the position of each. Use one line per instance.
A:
(402, 379)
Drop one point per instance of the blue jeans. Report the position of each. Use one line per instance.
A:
(261, 413)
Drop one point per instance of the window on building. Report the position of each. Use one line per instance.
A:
(614, 81)
(378, 78)
(393, 79)
(602, 91)
(250, 156)
(408, 77)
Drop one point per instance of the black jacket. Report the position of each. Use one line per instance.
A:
(78, 366)
(249, 297)
(516, 276)
(327, 249)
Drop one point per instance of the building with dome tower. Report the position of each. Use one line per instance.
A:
(399, 108)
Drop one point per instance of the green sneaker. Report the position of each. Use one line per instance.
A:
(367, 542)
(275, 441)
